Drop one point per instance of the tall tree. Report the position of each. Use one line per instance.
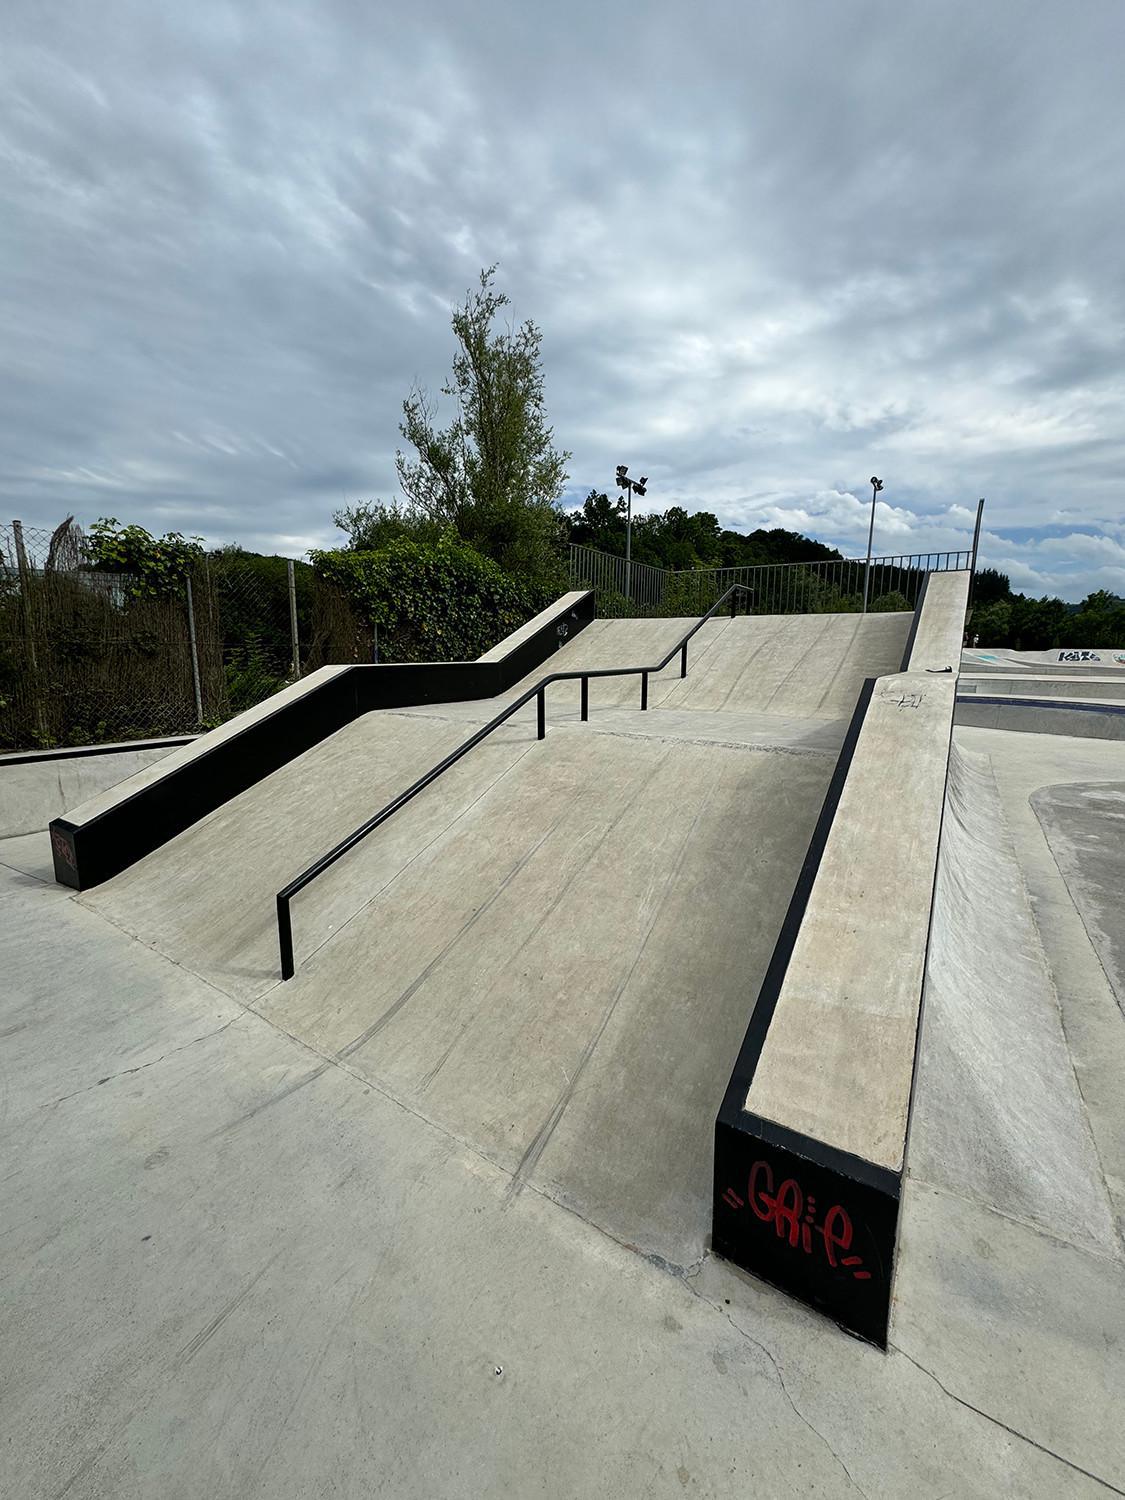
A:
(494, 473)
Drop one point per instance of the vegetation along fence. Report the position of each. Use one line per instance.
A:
(832, 586)
(89, 657)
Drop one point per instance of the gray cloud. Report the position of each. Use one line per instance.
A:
(772, 250)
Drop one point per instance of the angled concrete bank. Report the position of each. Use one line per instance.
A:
(111, 831)
(810, 1139)
(38, 785)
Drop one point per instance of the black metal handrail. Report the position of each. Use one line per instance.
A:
(285, 896)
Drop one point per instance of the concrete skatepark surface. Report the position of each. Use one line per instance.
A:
(386, 1229)
(524, 948)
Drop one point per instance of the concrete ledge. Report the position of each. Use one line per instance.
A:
(1044, 685)
(554, 615)
(810, 1140)
(1080, 718)
(118, 826)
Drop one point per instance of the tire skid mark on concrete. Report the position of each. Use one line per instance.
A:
(412, 988)
(543, 1135)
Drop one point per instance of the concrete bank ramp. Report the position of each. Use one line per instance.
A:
(998, 1116)
(207, 897)
(1011, 1287)
(806, 666)
(550, 952)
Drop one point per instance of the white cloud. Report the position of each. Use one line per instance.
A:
(231, 242)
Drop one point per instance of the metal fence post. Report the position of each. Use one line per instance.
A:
(976, 543)
(293, 635)
(194, 655)
(26, 594)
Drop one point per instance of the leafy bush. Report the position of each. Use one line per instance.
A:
(158, 564)
(890, 603)
(431, 602)
(374, 525)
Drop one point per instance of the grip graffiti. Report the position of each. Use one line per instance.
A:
(793, 1214)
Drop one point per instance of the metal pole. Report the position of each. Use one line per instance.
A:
(644, 689)
(27, 596)
(629, 543)
(293, 636)
(285, 937)
(976, 543)
(542, 713)
(585, 698)
(876, 486)
(194, 655)
(683, 661)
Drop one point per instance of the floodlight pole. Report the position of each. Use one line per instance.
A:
(876, 486)
(629, 485)
(629, 540)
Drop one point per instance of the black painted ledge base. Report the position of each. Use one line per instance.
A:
(89, 853)
(816, 1223)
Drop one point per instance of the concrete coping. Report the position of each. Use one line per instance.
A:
(837, 1063)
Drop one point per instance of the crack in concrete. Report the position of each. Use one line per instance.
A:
(1011, 1431)
(141, 1067)
(775, 1364)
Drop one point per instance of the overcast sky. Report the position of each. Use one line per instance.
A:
(773, 249)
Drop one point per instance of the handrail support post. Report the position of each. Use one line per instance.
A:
(585, 699)
(285, 937)
(683, 661)
(644, 690)
(542, 697)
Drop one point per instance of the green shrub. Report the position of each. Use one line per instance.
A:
(892, 603)
(157, 565)
(431, 601)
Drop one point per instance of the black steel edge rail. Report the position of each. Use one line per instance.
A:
(537, 690)
(1068, 705)
(88, 853)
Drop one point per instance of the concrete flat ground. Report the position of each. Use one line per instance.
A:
(430, 1220)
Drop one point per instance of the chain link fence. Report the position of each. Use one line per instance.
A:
(830, 586)
(89, 657)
